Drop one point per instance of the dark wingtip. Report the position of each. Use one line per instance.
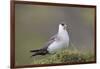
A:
(34, 50)
(30, 51)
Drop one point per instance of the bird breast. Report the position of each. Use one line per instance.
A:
(60, 43)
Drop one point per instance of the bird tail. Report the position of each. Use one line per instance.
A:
(39, 52)
(35, 50)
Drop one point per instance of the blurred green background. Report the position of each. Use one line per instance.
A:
(35, 24)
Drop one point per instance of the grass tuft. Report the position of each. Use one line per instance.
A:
(65, 56)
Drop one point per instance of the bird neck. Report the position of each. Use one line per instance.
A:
(62, 32)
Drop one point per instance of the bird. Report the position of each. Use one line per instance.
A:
(58, 42)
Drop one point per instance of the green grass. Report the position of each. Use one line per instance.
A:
(65, 56)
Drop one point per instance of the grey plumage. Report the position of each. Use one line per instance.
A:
(43, 51)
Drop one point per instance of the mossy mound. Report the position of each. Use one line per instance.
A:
(66, 56)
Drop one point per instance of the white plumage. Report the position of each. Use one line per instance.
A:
(57, 42)
(61, 40)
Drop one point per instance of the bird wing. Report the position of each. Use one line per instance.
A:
(43, 50)
(50, 41)
(53, 37)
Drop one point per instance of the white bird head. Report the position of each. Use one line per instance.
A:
(62, 27)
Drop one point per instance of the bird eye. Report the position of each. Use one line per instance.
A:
(62, 24)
